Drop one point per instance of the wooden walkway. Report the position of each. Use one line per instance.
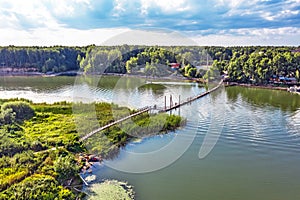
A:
(148, 108)
(190, 99)
(140, 111)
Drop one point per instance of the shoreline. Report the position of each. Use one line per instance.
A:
(267, 86)
(38, 74)
(78, 73)
(167, 78)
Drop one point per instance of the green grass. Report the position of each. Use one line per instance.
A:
(50, 129)
(32, 148)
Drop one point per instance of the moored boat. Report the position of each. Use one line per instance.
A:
(294, 89)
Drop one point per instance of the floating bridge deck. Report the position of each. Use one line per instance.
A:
(140, 111)
(191, 99)
(148, 108)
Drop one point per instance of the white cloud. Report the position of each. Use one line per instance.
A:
(38, 13)
(280, 15)
(150, 37)
(167, 6)
(32, 14)
(58, 36)
(114, 36)
(143, 6)
(256, 36)
(8, 20)
(237, 4)
(283, 33)
(67, 8)
(119, 7)
(228, 3)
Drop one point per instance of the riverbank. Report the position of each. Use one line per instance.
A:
(269, 87)
(177, 77)
(51, 137)
(29, 74)
(104, 189)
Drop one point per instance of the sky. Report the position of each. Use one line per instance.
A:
(204, 22)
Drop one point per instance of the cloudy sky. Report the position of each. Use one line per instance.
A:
(207, 22)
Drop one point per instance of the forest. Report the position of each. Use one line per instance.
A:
(256, 64)
(39, 144)
(251, 64)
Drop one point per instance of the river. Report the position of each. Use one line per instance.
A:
(252, 135)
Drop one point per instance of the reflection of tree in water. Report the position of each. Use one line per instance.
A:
(155, 88)
(263, 97)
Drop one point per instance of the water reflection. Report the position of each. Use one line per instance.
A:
(263, 98)
(157, 89)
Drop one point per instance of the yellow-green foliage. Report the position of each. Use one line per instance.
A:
(51, 129)
(106, 143)
(37, 187)
(10, 176)
(37, 153)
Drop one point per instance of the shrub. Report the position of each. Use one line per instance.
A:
(16, 110)
(65, 168)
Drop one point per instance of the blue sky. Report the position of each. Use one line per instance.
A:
(207, 22)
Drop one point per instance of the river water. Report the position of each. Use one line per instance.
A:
(249, 138)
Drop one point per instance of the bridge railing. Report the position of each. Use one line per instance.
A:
(148, 108)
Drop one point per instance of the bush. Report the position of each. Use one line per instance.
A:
(65, 167)
(16, 110)
(7, 116)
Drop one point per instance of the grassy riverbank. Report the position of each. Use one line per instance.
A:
(261, 86)
(39, 143)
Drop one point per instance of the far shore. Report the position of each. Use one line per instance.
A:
(67, 73)
(79, 73)
(262, 86)
(168, 78)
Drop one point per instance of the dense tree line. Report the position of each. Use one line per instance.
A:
(243, 64)
(101, 59)
(152, 61)
(256, 64)
(40, 59)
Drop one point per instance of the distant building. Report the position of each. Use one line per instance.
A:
(291, 80)
(282, 79)
(296, 50)
(174, 65)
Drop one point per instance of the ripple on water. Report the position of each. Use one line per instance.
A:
(261, 129)
(259, 143)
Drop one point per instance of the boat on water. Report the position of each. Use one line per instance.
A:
(294, 89)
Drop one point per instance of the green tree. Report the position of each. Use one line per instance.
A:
(151, 70)
(297, 74)
(131, 64)
(192, 72)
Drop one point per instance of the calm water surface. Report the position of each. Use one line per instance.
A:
(257, 155)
